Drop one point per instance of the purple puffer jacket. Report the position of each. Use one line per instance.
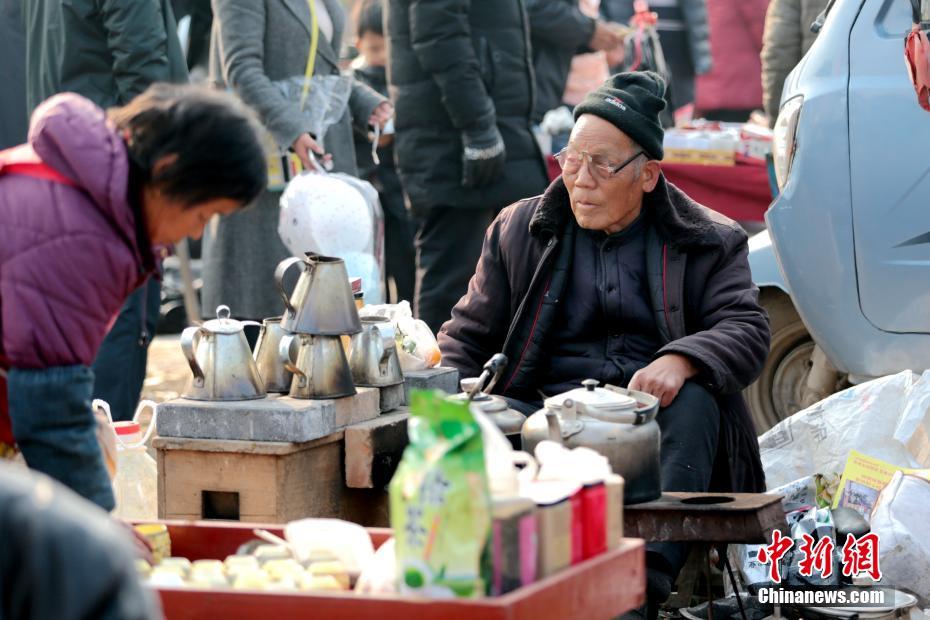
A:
(69, 256)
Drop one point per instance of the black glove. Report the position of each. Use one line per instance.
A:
(483, 156)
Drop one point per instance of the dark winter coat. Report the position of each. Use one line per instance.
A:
(457, 65)
(701, 292)
(558, 30)
(106, 50)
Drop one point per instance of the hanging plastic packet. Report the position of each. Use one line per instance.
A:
(440, 503)
(374, 145)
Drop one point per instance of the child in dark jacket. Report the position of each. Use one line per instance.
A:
(399, 228)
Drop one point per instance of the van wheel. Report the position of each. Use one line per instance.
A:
(778, 392)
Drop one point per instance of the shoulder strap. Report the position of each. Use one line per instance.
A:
(23, 160)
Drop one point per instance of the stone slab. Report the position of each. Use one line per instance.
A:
(393, 397)
(441, 378)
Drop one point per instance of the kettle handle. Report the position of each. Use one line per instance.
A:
(285, 354)
(279, 272)
(188, 336)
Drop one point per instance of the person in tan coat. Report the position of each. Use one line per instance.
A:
(786, 39)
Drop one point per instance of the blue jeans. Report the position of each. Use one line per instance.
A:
(119, 367)
(55, 429)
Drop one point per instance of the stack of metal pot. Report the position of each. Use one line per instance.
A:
(301, 352)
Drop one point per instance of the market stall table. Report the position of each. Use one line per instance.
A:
(603, 587)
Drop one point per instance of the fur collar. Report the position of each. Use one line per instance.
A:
(678, 219)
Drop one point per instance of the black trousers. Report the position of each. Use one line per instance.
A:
(448, 246)
(690, 433)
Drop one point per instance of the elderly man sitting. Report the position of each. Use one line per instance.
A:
(615, 274)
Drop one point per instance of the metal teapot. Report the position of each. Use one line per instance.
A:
(220, 358)
(319, 366)
(509, 421)
(373, 360)
(618, 423)
(276, 377)
(322, 303)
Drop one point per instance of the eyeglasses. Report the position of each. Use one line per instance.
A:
(570, 161)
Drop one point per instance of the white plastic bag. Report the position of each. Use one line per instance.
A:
(880, 417)
(417, 348)
(900, 520)
(336, 215)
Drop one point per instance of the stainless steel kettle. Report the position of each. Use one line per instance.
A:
(319, 366)
(276, 377)
(322, 303)
(373, 358)
(220, 360)
(618, 423)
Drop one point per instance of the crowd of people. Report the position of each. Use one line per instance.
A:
(123, 158)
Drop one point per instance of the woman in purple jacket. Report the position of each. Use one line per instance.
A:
(87, 209)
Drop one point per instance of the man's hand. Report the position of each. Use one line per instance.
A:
(664, 377)
(606, 37)
(381, 115)
(303, 146)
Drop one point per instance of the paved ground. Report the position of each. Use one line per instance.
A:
(167, 372)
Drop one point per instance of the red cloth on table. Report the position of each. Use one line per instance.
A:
(740, 192)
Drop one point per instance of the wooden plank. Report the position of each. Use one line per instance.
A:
(704, 517)
(603, 587)
(373, 450)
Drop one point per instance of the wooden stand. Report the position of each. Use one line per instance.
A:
(602, 587)
(271, 482)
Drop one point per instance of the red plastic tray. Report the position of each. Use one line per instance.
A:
(603, 587)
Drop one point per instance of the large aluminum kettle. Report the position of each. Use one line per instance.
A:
(220, 360)
(618, 423)
(373, 358)
(322, 303)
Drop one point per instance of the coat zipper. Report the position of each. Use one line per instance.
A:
(550, 247)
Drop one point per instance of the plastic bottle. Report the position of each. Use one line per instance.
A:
(136, 483)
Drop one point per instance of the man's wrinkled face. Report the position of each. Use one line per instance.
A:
(602, 197)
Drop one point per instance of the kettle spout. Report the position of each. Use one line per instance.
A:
(555, 430)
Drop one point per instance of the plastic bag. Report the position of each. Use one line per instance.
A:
(417, 347)
(379, 576)
(899, 519)
(327, 101)
(336, 215)
(885, 418)
(440, 503)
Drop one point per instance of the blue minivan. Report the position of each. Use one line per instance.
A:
(849, 293)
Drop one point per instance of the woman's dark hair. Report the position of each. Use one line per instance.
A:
(369, 17)
(212, 136)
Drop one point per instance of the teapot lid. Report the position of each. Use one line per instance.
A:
(592, 396)
(223, 324)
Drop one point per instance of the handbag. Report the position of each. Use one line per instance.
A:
(917, 52)
(643, 52)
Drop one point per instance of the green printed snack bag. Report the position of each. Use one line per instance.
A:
(440, 504)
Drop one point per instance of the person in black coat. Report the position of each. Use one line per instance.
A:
(559, 31)
(461, 77)
(616, 275)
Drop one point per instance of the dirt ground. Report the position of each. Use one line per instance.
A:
(166, 374)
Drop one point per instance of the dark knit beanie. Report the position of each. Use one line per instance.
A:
(632, 102)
